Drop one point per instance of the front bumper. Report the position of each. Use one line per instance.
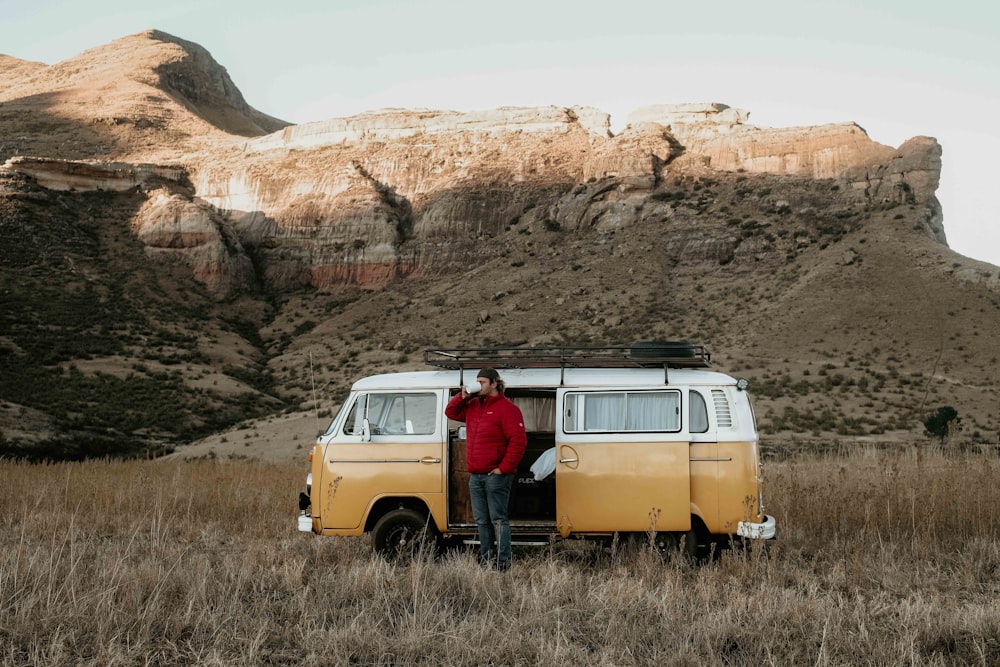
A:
(757, 531)
(305, 523)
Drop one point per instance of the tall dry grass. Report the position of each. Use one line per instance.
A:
(883, 559)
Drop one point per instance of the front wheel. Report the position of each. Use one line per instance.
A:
(403, 533)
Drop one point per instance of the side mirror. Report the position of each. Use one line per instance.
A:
(366, 430)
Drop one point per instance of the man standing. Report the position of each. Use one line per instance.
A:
(494, 444)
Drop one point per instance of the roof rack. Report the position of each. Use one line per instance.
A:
(643, 354)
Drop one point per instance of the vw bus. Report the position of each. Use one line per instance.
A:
(640, 441)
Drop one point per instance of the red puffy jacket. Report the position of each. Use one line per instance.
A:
(494, 432)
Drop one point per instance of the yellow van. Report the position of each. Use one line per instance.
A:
(631, 441)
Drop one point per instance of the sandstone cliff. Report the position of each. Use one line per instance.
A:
(368, 199)
(394, 193)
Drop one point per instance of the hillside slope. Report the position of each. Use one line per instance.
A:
(149, 97)
(169, 269)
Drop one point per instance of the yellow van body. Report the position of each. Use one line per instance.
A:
(638, 450)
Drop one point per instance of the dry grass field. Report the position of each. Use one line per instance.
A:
(884, 558)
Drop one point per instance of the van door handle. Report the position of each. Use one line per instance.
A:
(430, 459)
(569, 460)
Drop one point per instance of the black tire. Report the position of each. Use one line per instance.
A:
(669, 544)
(404, 534)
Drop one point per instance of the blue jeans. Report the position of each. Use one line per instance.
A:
(490, 495)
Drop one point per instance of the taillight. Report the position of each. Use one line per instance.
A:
(310, 456)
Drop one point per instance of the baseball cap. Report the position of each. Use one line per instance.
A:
(489, 373)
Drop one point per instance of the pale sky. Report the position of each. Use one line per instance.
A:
(898, 68)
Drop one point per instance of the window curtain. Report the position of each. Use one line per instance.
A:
(623, 411)
(539, 413)
(604, 412)
(653, 411)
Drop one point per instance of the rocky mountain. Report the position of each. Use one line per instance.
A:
(145, 97)
(175, 261)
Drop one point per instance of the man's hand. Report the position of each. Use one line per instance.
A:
(496, 471)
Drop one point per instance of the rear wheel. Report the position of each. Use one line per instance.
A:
(665, 544)
(404, 533)
(683, 544)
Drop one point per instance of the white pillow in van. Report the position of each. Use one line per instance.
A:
(545, 464)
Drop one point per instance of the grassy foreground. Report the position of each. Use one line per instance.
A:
(883, 559)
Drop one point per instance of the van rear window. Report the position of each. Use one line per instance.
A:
(589, 412)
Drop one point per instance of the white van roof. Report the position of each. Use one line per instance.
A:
(550, 378)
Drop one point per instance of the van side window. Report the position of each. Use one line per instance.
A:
(587, 412)
(697, 413)
(393, 414)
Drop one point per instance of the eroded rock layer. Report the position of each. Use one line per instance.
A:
(387, 194)
(371, 198)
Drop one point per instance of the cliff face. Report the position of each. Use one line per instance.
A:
(369, 199)
(172, 225)
(366, 200)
